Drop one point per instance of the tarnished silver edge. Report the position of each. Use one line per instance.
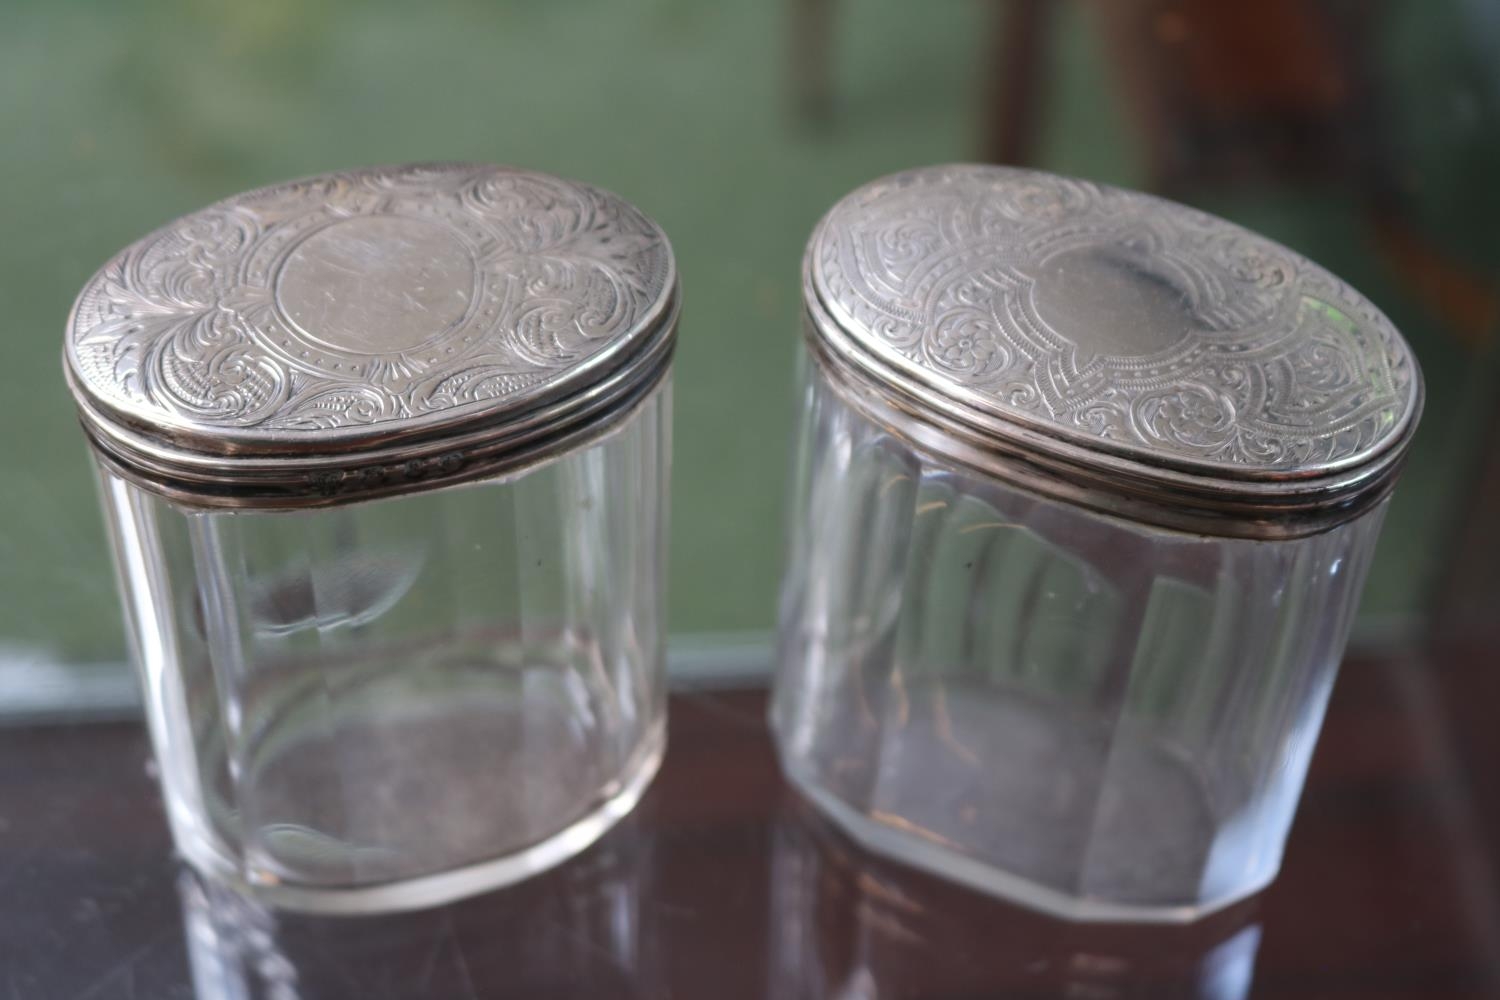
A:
(400, 466)
(1132, 490)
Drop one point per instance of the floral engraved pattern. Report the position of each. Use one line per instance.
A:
(366, 298)
(1105, 316)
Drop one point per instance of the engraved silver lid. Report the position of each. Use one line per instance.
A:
(1111, 347)
(366, 333)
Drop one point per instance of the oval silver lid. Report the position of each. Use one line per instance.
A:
(1136, 354)
(369, 332)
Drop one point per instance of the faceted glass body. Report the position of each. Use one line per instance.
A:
(393, 703)
(1098, 718)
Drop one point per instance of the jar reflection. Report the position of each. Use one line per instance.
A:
(847, 925)
(572, 932)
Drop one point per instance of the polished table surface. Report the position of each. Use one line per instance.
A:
(723, 884)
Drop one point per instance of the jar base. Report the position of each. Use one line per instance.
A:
(425, 891)
(908, 849)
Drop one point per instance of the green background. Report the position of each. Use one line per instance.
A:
(117, 117)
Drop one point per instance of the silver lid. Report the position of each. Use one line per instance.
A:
(365, 333)
(1114, 347)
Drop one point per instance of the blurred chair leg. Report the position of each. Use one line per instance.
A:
(1016, 80)
(1462, 609)
(811, 47)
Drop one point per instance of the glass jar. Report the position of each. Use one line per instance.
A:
(1086, 490)
(384, 458)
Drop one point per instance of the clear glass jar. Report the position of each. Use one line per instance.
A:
(1094, 716)
(385, 461)
(425, 695)
(1085, 494)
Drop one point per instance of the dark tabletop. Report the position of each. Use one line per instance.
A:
(724, 885)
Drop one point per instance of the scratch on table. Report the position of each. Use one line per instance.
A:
(711, 701)
(44, 841)
(592, 946)
(429, 966)
(459, 960)
(125, 966)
